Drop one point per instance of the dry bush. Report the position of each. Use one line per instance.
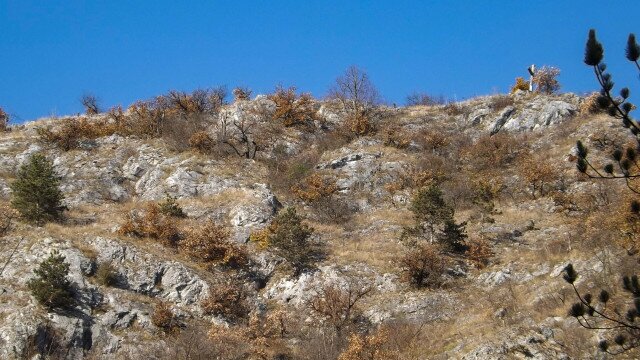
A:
(106, 274)
(589, 105)
(424, 266)
(202, 142)
(151, 223)
(333, 210)
(434, 141)
(546, 80)
(455, 109)
(291, 108)
(164, 318)
(500, 102)
(479, 252)
(67, 135)
(314, 187)
(211, 243)
(491, 152)
(521, 84)
(262, 338)
(394, 136)
(241, 94)
(4, 120)
(538, 174)
(359, 99)
(485, 191)
(228, 300)
(90, 104)
(369, 347)
(285, 172)
(338, 306)
(7, 216)
(423, 99)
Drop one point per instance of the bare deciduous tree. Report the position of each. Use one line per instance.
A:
(90, 103)
(358, 97)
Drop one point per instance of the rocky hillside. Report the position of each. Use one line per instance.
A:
(503, 164)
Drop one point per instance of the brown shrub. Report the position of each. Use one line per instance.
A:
(500, 102)
(228, 300)
(202, 142)
(369, 347)
(538, 174)
(291, 108)
(7, 216)
(285, 172)
(241, 93)
(479, 252)
(423, 99)
(332, 209)
(395, 137)
(66, 136)
(210, 243)
(164, 318)
(424, 266)
(590, 105)
(314, 187)
(359, 99)
(151, 223)
(521, 84)
(434, 141)
(338, 306)
(546, 80)
(491, 152)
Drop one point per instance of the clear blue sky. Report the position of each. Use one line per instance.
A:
(53, 51)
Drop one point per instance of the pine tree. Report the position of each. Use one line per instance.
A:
(453, 236)
(289, 237)
(51, 287)
(429, 208)
(35, 193)
(592, 313)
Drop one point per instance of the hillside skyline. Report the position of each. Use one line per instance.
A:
(457, 50)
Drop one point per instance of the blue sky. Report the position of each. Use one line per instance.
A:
(53, 51)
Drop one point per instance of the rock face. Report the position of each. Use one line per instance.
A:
(108, 177)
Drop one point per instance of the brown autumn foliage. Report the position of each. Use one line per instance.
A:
(546, 80)
(241, 93)
(228, 300)
(202, 142)
(479, 252)
(424, 266)
(590, 104)
(291, 108)
(394, 136)
(151, 223)
(538, 174)
(262, 338)
(338, 306)
(521, 84)
(314, 187)
(359, 99)
(374, 346)
(491, 152)
(210, 243)
(164, 318)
